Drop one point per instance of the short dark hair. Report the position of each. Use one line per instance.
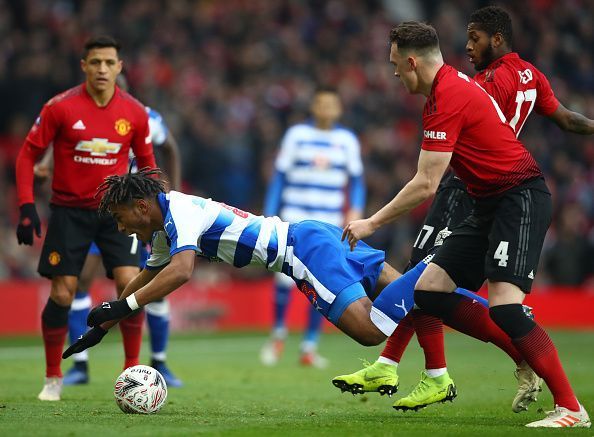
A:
(493, 19)
(100, 42)
(414, 35)
(121, 190)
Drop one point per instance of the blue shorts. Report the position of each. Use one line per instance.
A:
(323, 267)
(144, 254)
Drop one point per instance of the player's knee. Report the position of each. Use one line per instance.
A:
(54, 314)
(122, 277)
(62, 295)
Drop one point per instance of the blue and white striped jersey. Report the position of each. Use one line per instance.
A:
(317, 165)
(218, 232)
(158, 130)
(157, 127)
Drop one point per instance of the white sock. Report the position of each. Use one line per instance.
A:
(159, 356)
(387, 361)
(279, 333)
(434, 373)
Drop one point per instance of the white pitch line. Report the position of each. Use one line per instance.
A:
(213, 346)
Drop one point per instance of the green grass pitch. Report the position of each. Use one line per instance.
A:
(227, 391)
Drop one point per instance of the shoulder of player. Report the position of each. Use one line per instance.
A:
(153, 114)
(512, 65)
(133, 102)
(299, 127)
(308, 126)
(341, 129)
(178, 199)
(452, 91)
(65, 96)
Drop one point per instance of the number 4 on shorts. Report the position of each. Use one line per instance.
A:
(501, 253)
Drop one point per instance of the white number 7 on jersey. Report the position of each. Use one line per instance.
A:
(428, 231)
(521, 97)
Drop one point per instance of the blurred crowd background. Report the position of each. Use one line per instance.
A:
(230, 76)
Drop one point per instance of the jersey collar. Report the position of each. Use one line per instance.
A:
(116, 94)
(443, 70)
(500, 60)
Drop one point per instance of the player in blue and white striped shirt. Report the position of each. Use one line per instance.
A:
(339, 282)
(319, 176)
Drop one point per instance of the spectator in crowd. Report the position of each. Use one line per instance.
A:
(246, 68)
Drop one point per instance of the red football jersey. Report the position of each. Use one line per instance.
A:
(518, 87)
(460, 117)
(89, 143)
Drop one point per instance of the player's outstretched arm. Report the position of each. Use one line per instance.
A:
(430, 169)
(171, 277)
(572, 121)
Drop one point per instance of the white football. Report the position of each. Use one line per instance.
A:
(140, 390)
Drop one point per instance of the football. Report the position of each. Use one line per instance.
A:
(140, 390)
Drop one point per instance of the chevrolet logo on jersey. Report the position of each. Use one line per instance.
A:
(98, 147)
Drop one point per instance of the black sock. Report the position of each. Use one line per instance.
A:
(438, 304)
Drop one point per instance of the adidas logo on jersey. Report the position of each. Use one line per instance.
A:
(531, 274)
(79, 125)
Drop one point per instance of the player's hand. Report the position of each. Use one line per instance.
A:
(114, 310)
(89, 339)
(28, 222)
(42, 171)
(357, 230)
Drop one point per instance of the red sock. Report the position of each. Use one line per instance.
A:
(429, 331)
(472, 318)
(131, 329)
(53, 342)
(398, 341)
(540, 353)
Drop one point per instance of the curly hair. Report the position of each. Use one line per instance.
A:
(492, 20)
(118, 190)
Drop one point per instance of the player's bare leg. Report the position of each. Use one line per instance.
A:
(54, 327)
(378, 376)
(356, 323)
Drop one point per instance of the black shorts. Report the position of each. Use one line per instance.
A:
(70, 232)
(501, 240)
(451, 205)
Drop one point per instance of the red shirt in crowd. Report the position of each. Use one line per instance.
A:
(518, 87)
(460, 117)
(90, 142)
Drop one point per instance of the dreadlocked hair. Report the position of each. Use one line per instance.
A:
(117, 190)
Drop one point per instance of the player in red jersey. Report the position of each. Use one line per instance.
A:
(92, 128)
(518, 88)
(501, 239)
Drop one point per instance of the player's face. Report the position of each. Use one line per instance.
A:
(101, 67)
(479, 47)
(326, 108)
(133, 219)
(404, 69)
